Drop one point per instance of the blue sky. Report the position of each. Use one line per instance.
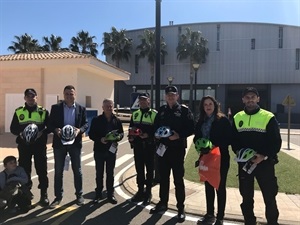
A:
(67, 17)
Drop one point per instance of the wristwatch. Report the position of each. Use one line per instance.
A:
(266, 157)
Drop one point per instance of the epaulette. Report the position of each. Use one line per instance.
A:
(21, 107)
(154, 110)
(185, 106)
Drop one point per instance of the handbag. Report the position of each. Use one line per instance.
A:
(209, 167)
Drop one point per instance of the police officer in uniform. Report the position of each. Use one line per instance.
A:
(143, 147)
(23, 116)
(257, 129)
(171, 150)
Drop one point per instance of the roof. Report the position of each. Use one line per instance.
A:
(44, 56)
(48, 56)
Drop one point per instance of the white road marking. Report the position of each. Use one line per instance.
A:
(119, 161)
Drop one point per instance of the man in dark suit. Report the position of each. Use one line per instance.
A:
(71, 113)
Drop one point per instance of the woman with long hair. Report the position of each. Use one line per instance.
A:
(214, 126)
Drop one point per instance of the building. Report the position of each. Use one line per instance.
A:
(48, 73)
(263, 55)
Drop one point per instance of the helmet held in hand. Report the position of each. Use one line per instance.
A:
(163, 132)
(30, 133)
(68, 135)
(113, 136)
(203, 145)
(245, 154)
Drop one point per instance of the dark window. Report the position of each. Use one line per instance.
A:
(280, 40)
(253, 43)
(136, 64)
(218, 37)
(297, 58)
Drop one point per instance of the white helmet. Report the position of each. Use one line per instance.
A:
(68, 135)
(245, 154)
(163, 132)
(30, 133)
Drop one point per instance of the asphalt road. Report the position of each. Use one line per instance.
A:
(104, 213)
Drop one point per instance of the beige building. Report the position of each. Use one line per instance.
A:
(48, 73)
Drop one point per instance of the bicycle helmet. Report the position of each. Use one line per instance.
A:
(203, 145)
(68, 135)
(113, 136)
(245, 154)
(133, 131)
(163, 132)
(30, 133)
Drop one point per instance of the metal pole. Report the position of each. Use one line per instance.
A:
(289, 126)
(157, 55)
(195, 94)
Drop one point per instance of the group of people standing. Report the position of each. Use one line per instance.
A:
(253, 128)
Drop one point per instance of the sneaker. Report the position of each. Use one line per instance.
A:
(207, 220)
(181, 216)
(80, 200)
(55, 203)
(219, 222)
(160, 207)
(97, 198)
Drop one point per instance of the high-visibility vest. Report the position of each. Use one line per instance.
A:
(257, 122)
(146, 118)
(37, 117)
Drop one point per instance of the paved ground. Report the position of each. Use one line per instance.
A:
(289, 205)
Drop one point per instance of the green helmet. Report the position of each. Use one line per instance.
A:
(245, 154)
(113, 136)
(203, 145)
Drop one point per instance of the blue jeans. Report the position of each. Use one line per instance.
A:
(59, 161)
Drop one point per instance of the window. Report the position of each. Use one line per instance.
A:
(88, 101)
(253, 43)
(297, 58)
(218, 37)
(136, 64)
(280, 43)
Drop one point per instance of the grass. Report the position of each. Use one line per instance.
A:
(287, 172)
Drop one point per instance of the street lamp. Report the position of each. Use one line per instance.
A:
(196, 67)
(170, 79)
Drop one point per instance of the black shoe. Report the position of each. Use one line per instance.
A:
(97, 198)
(158, 208)
(181, 216)
(219, 222)
(55, 203)
(138, 197)
(80, 200)
(112, 200)
(207, 220)
(147, 199)
(25, 208)
(44, 201)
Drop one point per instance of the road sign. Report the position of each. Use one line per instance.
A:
(289, 101)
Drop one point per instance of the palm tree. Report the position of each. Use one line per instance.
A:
(52, 44)
(24, 43)
(147, 49)
(83, 43)
(117, 45)
(192, 46)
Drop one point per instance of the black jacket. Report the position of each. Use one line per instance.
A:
(220, 135)
(180, 119)
(57, 121)
(16, 128)
(100, 127)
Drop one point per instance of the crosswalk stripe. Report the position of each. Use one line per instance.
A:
(119, 161)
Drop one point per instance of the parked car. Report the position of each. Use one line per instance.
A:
(124, 114)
